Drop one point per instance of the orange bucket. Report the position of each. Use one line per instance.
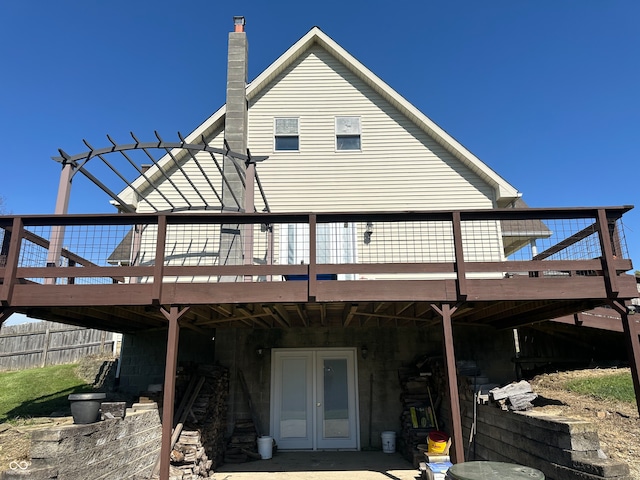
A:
(437, 442)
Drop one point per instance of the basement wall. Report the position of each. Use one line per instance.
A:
(389, 348)
(144, 354)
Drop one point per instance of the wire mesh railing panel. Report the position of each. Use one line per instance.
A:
(78, 246)
(552, 239)
(374, 241)
(193, 245)
(99, 245)
(96, 245)
(385, 242)
(619, 240)
(482, 241)
(34, 248)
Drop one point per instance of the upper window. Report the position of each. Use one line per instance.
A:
(287, 134)
(347, 133)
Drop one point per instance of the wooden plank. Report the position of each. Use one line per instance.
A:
(11, 265)
(81, 295)
(459, 251)
(158, 269)
(387, 290)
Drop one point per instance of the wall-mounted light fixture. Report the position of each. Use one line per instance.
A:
(259, 352)
(367, 233)
(364, 351)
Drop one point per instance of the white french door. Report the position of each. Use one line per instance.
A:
(314, 399)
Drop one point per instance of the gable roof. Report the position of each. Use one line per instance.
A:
(505, 192)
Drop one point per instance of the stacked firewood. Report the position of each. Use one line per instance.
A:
(242, 445)
(188, 458)
(199, 449)
(515, 396)
(210, 409)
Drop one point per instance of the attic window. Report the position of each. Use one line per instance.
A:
(347, 133)
(287, 134)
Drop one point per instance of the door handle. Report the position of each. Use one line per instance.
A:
(318, 404)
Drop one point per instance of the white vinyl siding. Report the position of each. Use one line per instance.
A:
(399, 167)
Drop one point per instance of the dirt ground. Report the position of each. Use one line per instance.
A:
(617, 424)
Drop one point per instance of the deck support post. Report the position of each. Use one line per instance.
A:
(168, 399)
(446, 311)
(631, 328)
(57, 231)
(11, 263)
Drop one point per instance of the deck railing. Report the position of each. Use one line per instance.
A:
(184, 247)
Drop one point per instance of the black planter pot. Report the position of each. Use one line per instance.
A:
(85, 407)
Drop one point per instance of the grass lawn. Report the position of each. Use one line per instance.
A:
(618, 386)
(38, 391)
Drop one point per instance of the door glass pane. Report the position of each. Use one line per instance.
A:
(293, 417)
(336, 399)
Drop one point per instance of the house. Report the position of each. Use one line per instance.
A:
(384, 239)
(338, 139)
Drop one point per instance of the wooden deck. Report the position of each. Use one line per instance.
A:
(390, 290)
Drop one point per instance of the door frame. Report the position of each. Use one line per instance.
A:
(313, 388)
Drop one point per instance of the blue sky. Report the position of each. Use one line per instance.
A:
(545, 93)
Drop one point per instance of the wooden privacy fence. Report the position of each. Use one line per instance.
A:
(43, 343)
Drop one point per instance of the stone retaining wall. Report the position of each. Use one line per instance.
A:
(562, 448)
(120, 449)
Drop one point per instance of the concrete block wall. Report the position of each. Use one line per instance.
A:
(143, 357)
(117, 448)
(560, 447)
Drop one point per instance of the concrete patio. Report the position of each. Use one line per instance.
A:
(323, 466)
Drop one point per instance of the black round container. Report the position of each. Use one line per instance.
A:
(85, 407)
(492, 471)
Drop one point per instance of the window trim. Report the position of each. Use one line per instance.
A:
(286, 135)
(351, 134)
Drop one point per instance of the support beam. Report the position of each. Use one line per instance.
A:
(446, 311)
(631, 327)
(171, 363)
(313, 283)
(348, 314)
(608, 270)
(11, 265)
(158, 269)
(62, 207)
(459, 252)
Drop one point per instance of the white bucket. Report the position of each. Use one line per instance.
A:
(388, 442)
(265, 446)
